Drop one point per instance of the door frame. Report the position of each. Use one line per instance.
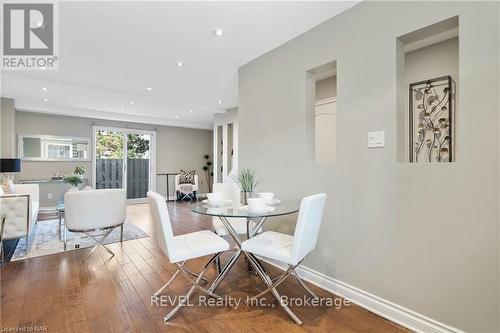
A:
(152, 156)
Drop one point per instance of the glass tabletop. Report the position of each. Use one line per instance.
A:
(232, 210)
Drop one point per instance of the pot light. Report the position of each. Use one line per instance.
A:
(149, 88)
(132, 102)
(45, 89)
(190, 111)
(45, 99)
(176, 117)
(218, 32)
(122, 109)
(180, 64)
(219, 101)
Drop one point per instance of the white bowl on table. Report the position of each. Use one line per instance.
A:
(256, 204)
(214, 198)
(267, 196)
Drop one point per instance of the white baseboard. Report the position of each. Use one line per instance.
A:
(391, 311)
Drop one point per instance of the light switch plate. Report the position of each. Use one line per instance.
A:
(376, 139)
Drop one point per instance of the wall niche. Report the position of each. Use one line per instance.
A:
(427, 83)
(321, 114)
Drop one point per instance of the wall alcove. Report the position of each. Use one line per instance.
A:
(427, 82)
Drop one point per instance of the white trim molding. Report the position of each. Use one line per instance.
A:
(384, 308)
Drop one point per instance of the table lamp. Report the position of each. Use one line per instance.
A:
(7, 168)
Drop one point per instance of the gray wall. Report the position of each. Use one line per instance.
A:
(176, 147)
(422, 236)
(8, 124)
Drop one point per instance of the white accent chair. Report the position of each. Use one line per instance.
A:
(93, 210)
(181, 248)
(186, 191)
(290, 250)
(20, 210)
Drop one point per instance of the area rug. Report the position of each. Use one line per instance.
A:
(44, 239)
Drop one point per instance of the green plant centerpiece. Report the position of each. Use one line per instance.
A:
(247, 181)
(76, 178)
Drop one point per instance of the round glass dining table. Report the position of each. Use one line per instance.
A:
(230, 210)
(223, 212)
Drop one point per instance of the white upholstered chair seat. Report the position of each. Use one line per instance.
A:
(197, 244)
(272, 245)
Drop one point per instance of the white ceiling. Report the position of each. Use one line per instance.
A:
(111, 51)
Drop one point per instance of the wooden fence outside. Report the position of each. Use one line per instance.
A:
(109, 174)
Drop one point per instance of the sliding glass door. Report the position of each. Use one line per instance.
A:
(138, 165)
(124, 158)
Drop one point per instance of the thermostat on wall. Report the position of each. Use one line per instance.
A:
(376, 139)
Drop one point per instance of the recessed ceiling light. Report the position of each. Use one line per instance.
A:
(218, 32)
(122, 109)
(132, 102)
(219, 101)
(45, 99)
(176, 117)
(45, 89)
(149, 88)
(180, 63)
(191, 111)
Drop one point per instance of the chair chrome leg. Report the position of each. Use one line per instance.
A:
(195, 275)
(303, 284)
(206, 291)
(2, 255)
(181, 303)
(65, 238)
(27, 240)
(218, 265)
(166, 284)
(99, 244)
(191, 290)
(267, 281)
(224, 271)
(273, 285)
(91, 251)
(121, 233)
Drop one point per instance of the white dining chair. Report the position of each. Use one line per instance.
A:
(182, 248)
(87, 211)
(230, 191)
(288, 249)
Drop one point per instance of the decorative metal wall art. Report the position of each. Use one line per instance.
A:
(432, 127)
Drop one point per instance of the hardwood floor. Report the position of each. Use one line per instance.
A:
(58, 293)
